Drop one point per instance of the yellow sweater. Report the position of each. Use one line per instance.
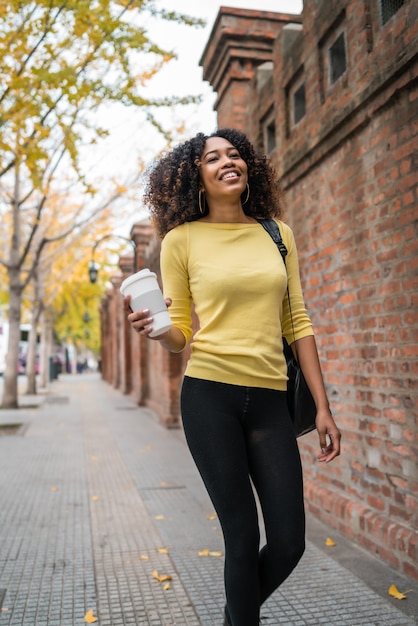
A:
(234, 276)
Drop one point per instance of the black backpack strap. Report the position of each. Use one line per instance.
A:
(273, 230)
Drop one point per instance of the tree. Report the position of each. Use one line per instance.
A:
(61, 278)
(60, 61)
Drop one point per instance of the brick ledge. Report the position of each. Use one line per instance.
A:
(393, 542)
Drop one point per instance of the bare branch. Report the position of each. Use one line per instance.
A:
(74, 226)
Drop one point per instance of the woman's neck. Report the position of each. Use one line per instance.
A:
(227, 214)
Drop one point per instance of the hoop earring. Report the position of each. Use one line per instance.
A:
(248, 194)
(201, 209)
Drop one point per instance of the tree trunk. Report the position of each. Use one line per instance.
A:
(32, 352)
(10, 391)
(47, 343)
(37, 307)
(44, 355)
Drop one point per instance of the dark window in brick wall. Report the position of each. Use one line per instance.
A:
(299, 104)
(270, 137)
(337, 59)
(388, 8)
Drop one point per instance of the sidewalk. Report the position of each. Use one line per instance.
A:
(95, 496)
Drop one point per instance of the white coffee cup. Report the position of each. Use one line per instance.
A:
(146, 294)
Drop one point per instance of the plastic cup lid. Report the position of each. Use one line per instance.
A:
(137, 276)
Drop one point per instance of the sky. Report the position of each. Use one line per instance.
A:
(129, 135)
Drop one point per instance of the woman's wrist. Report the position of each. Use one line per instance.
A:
(173, 340)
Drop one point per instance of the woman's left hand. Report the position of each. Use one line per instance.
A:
(329, 436)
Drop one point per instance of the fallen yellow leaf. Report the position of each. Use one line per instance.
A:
(207, 552)
(159, 517)
(163, 484)
(330, 542)
(95, 498)
(93, 458)
(166, 586)
(89, 618)
(144, 557)
(162, 550)
(393, 591)
(162, 578)
(211, 517)
(54, 488)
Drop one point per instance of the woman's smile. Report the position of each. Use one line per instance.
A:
(230, 175)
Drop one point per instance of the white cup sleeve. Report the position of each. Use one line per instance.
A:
(152, 300)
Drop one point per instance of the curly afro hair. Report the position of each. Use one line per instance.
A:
(172, 192)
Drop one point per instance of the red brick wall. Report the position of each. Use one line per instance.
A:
(358, 243)
(349, 170)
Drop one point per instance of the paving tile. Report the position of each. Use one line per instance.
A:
(83, 492)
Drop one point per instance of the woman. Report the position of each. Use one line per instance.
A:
(205, 197)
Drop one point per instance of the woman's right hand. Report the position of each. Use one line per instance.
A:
(141, 321)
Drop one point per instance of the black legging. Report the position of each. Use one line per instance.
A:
(235, 433)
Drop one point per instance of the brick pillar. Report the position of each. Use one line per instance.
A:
(240, 41)
(115, 330)
(127, 268)
(106, 341)
(141, 233)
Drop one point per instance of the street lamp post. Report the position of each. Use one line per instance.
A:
(94, 268)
